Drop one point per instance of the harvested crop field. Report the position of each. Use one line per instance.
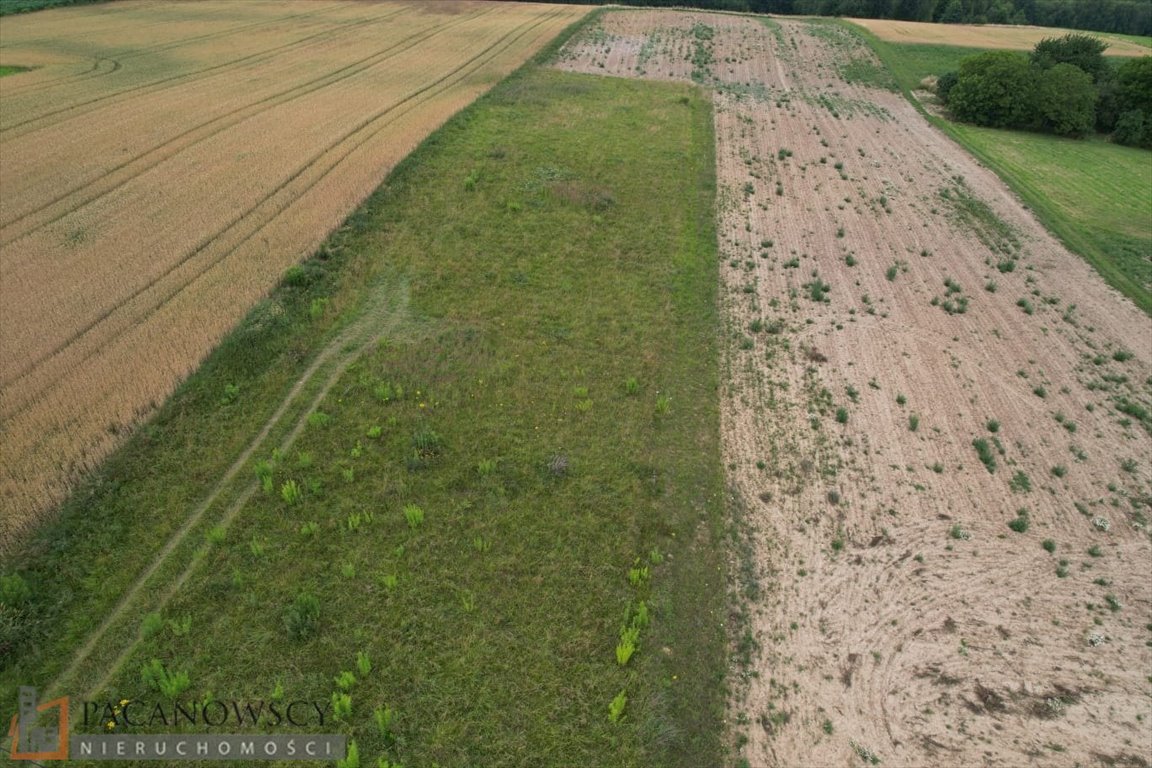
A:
(1009, 36)
(165, 163)
(937, 425)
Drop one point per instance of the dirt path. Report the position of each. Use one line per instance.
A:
(110, 644)
(888, 306)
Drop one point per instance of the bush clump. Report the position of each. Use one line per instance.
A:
(1065, 86)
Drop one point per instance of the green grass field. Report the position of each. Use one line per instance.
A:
(27, 6)
(524, 466)
(1093, 195)
(911, 63)
(1142, 40)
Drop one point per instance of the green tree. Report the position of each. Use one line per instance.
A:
(995, 89)
(999, 12)
(952, 13)
(1079, 50)
(1066, 100)
(1134, 84)
(1107, 109)
(1132, 94)
(1134, 129)
(944, 85)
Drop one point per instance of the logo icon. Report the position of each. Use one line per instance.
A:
(32, 742)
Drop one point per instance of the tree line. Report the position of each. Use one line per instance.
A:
(12, 7)
(1130, 17)
(1064, 86)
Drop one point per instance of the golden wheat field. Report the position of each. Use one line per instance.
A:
(165, 163)
(1013, 37)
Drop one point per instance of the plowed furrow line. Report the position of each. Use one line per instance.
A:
(250, 222)
(42, 85)
(226, 69)
(74, 199)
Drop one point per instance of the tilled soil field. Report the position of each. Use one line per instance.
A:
(936, 426)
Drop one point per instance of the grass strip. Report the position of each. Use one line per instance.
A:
(549, 404)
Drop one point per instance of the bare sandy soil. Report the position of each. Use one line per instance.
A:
(986, 35)
(891, 309)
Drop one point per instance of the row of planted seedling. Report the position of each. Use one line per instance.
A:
(636, 620)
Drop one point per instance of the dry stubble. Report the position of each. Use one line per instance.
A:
(1012, 37)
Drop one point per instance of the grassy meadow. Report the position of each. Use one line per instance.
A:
(1093, 195)
(502, 519)
(911, 63)
(1142, 40)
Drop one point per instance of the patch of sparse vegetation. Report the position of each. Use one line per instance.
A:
(974, 215)
(985, 453)
(954, 302)
(1020, 523)
(1019, 482)
(817, 289)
